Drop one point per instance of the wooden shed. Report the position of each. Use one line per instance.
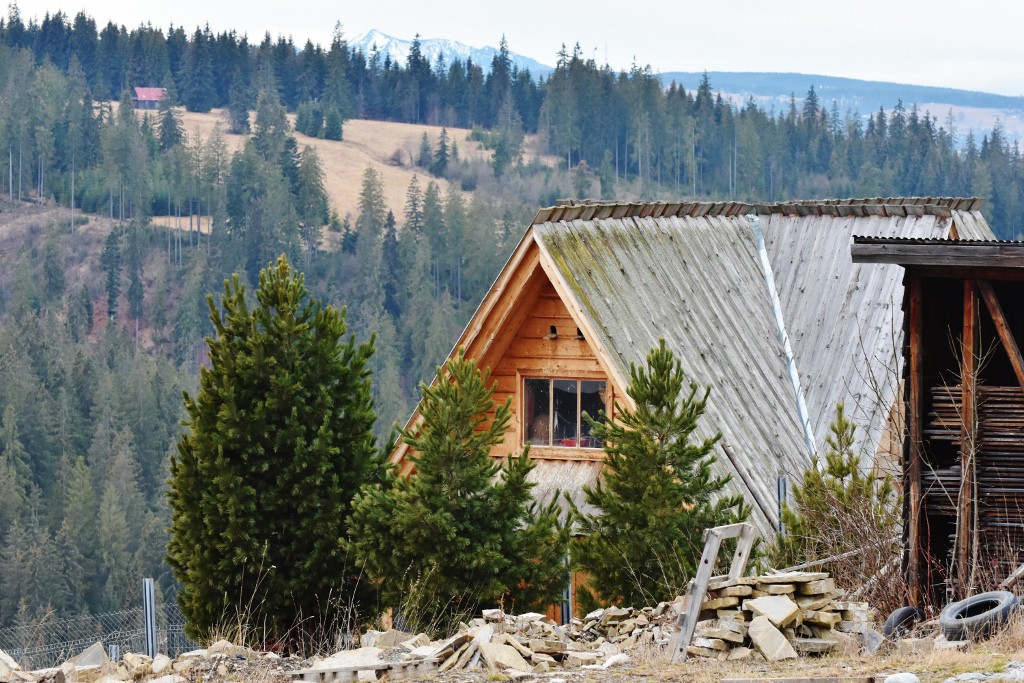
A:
(148, 98)
(760, 302)
(964, 450)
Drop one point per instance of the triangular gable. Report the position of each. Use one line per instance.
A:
(501, 313)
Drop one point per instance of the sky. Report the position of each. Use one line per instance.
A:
(972, 45)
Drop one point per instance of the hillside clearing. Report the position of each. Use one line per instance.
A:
(388, 147)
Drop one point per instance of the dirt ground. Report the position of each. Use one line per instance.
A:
(654, 666)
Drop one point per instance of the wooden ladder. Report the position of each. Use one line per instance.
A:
(698, 586)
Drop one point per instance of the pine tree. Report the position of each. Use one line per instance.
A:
(171, 131)
(238, 108)
(111, 260)
(456, 536)
(439, 166)
(426, 155)
(277, 441)
(837, 508)
(657, 493)
(333, 122)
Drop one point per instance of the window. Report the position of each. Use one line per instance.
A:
(553, 410)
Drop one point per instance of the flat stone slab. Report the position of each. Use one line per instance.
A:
(813, 646)
(769, 640)
(779, 609)
(499, 657)
(804, 679)
(793, 577)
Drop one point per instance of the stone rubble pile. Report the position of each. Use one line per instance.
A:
(221, 660)
(778, 616)
(517, 644)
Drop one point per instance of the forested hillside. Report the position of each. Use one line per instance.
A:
(103, 311)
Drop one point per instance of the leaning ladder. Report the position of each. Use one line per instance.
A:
(698, 586)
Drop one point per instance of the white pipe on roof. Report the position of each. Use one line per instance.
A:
(794, 376)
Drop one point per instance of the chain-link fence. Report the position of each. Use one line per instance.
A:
(52, 642)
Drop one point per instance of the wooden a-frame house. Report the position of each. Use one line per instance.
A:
(761, 302)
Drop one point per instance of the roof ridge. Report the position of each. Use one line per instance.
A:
(569, 210)
(587, 210)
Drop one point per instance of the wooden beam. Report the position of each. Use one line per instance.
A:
(968, 436)
(950, 253)
(1003, 329)
(915, 414)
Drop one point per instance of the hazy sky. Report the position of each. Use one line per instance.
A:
(975, 45)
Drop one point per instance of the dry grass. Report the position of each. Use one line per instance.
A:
(385, 146)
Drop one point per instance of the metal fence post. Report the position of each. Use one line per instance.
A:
(149, 612)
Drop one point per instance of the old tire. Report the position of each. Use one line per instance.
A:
(976, 616)
(900, 622)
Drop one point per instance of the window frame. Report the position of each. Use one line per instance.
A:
(523, 378)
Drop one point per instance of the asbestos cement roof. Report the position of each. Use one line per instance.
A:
(845, 319)
(698, 283)
(692, 273)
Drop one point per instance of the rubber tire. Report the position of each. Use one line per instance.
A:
(976, 616)
(901, 621)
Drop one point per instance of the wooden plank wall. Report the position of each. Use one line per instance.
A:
(530, 354)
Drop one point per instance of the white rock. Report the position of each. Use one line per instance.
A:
(769, 640)
(170, 678)
(161, 665)
(779, 609)
(228, 649)
(482, 634)
(500, 657)
(137, 664)
(581, 658)
(94, 655)
(7, 665)
(419, 640)
(614, 660)
(360, 657)
(902, 678)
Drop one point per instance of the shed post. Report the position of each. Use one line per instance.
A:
(968, 436)
(914, 431)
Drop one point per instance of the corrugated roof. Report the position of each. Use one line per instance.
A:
(845, 319)
(873, 206)
(150, 94)
(698, 283)
(944, 241)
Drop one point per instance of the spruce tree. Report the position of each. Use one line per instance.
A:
(656, 495)
(277, 441)
(837, 508)
(111, 260)
(464, 532)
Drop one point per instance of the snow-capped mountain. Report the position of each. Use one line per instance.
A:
(398, 50)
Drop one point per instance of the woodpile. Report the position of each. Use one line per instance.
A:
(777, 616)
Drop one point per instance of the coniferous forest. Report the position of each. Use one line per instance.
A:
(103, 314)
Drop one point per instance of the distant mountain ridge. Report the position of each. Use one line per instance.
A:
(865, 96)
(398, 50)
(971, 111)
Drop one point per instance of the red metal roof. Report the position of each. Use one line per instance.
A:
(150, 94)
